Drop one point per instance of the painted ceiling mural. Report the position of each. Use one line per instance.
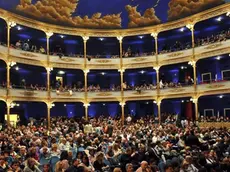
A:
(108, 14)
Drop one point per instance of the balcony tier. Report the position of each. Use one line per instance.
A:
(202, 90)
(37, 59)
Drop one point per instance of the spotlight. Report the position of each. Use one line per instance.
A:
(142, 72)
(61, 72)
(182, 29)
(16, 68)
(19, 28)
(228, 14)
(101, 39)
(103, 104)
(221, 96)
(182, 101)
(141, 37)
(65, 105)
(219, 19)
(62, 36)
(182, 67)
(218, 58)
(147, 103)
(154, 102)
(103, 73)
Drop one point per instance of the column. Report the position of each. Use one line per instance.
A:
(85, 39)
(158, 79)
(49, 106)
(48, 70)
(86, 105)
(195, 101)
(10, 24)
(48, 35)
(155, 35)
(86, 84)
(193, 61)
(193, 64)
(9, 64)
(159, 110)
(122, 81)
(122, 104)
(8, 106)
(120, 38)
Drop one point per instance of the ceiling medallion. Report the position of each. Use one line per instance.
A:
(28, 93)
(213, 46)
(28, 54)
(104, 94)
(175, 54)
(139, 59)
(67, 59)
(215, 86)
(103, 61)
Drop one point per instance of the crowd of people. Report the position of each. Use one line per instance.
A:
(27, 45)
(104, 144)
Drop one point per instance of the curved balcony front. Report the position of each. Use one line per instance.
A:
(129, 95)
(37, 59)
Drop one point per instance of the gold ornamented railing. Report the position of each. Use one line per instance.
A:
(214, 124)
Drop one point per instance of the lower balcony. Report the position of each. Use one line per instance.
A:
(221, 87)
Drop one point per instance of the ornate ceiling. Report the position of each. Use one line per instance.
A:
(108, 14)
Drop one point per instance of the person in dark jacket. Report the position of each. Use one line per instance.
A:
(76, 167)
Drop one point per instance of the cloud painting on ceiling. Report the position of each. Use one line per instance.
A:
(108, 14)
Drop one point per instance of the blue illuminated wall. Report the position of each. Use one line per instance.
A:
(108, 109)
(136, 78)
(214, 102)
(105, 81)
(214, 67)
(70, 110)
(171, 106)
(140, 109)
(31, 77)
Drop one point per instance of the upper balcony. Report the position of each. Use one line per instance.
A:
(201, 52)
(159, 45)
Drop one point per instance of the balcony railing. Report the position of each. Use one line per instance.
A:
(205, 51)
(202, 89)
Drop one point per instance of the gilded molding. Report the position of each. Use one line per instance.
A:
(215, 45)
(28, 93)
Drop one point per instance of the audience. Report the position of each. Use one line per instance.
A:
(139, 145)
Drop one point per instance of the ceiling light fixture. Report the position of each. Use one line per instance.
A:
(103, 73)
(182, 29)
(19, 28)
(221, 96)
(141, 37)
(16, 68)
(62, 36)
(61, 72)
(142, 72)
(101, 39)
(219, 19)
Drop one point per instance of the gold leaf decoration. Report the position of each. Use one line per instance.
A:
(215, 86)
(104, 94)
(67, 59)
(139, 59)
(216, 45)
(28, 93)
(175, 54)
(177, 90)
(140, 92)
(103, 61)
(28, 54)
